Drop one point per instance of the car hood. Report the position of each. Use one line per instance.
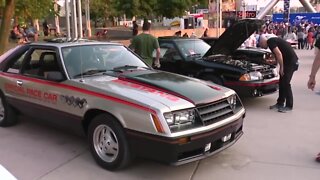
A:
(234, 36)
(160, 86)
(254, 49)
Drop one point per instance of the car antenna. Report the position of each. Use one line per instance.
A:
(81, 66)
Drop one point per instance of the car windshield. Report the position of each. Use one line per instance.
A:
(193, 48)
(87, 60)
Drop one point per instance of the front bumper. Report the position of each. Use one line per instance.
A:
(254, 89)
(178, 151)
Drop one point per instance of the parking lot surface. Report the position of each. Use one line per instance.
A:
(275, 146)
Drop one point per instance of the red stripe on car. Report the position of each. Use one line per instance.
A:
(84, 91)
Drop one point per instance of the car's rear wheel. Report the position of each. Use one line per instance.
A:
(8, 116)
(108, 143)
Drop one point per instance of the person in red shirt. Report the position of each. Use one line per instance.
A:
(310, 38)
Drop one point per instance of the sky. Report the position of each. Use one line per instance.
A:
(262, 3)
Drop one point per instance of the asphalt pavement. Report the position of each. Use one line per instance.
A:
(275, 146)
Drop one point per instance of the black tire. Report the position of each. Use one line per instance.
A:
(113, 151)
(8, 116)
(214, 79)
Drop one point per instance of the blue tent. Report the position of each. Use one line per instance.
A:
(296, 18)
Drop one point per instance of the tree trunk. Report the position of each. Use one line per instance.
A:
(6, 25)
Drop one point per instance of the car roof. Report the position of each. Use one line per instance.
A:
(175, 38)
(59, 43)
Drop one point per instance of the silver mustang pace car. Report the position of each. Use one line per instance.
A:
(123, 106)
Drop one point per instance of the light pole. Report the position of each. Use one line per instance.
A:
(243, 3)
(87, 12)
(80, 33)
(56, 18)
(67, 11)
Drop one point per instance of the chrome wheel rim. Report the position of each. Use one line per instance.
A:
(2, 113)
(105, 143)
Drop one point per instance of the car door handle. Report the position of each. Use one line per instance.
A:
(19, 83)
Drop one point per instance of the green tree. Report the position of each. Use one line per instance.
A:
(28, 10)
(102, 10)
(147, 8)
(173, 8)
(7, 14)
(128, 7)
(150, 8)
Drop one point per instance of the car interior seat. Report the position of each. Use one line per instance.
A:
(48, 62)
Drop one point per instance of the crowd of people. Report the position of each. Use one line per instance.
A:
(304, 34)
(23, 34)
(26, 33)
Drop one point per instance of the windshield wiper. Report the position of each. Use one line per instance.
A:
(91, 72)
(127, 67)
(194, 55)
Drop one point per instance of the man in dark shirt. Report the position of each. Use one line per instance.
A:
(288, 64)
(135, 28)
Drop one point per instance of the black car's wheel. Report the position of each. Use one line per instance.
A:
(108, 143)
(8, 116)
(214, 79)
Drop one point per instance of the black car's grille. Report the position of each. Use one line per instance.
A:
(214, 112)
(267, 73)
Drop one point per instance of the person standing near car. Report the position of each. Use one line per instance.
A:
(300, 36)
(312, 76)
(288, 64)
(45, 27)
(144, 44)
(135, 28)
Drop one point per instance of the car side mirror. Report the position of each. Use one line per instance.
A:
(55, 76)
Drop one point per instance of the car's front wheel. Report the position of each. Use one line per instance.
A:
(108, 143)
(8, 116)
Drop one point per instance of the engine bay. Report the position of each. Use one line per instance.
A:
(242, 63)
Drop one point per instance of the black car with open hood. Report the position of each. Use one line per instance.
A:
(231, 43)
(247, 75)
(234, 36)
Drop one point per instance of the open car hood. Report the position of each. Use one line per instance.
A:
(234, 36)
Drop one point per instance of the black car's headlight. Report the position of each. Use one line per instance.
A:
(264, 56)
(252, 76)
(180, 120)
(275, 72)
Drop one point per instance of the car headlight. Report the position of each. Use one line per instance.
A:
(180, 117)
(252, 76)
(180, 120)
(275, 72)
(232, 100)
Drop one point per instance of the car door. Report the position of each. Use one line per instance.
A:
(31, 92)
(190, 65)
(170, 57)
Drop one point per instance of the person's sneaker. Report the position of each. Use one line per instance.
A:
(276, 106)
(284, 109)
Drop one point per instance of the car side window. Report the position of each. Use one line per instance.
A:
(40, 62)
(17, 64)
(171, 52)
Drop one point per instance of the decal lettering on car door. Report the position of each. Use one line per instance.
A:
(31, 93)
